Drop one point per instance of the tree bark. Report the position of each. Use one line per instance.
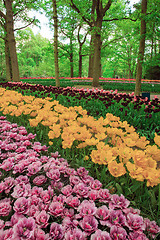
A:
(141, 48)
(56, 43)
(80, 62)
(11, 40)
(97, 53)
(8, 62)
(91, 57)
(71, 57)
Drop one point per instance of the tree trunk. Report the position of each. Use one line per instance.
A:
(71, 57)
(97, 54)
(91, 57)
(11, 40)
(56, 43)
(8, 62)
(80, 62)
(152, 40)
(80, 49)
(141, 48)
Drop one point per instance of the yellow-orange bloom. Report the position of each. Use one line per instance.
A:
(152, 176)
(140, 159)
(153, 151)
(129, 142)
(82, 145)
(95, 156)
(33, 122)
(68, 141)
(125, 154)
(116, 169)
(86, 158)
(135, 171)
(91, 141)
(55, 132)
(157, 139)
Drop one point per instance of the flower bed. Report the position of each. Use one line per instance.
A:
(42, 197)
(145, 198)
(139, 112)
(113, 143)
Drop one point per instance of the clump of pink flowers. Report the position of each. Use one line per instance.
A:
(43, 198)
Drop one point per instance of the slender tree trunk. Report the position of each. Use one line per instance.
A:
(8, 62)
(71, 57)
(152, 40)
(80, 49)
(141, 48)
(152, 48)
(155, 48)
(56, 43)
(80, 61)
(91, 57)
(11, 40)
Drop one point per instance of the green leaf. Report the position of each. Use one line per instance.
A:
(119, 188)
(153, 198)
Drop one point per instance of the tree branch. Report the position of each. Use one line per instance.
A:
(79, 12)
(81, 43)
(116, 19)
(2, 15)
(85, 38)
(21, 10)
(63, 47)
(2, 24)
(2, 38)
(107, 6)
(25, 26)
(63, 32)
(112, 41)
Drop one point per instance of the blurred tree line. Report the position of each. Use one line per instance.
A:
(95, 38)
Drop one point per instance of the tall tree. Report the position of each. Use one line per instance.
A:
(67, 23)
(10, 12)
(81, 43)
(94, 13)
(55, 17)
(141, 47)
(98, 10)
(68, 26)
(11, 40)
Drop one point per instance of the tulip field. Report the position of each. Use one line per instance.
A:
(78, 164)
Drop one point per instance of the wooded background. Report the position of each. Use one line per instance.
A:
(94, 39)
